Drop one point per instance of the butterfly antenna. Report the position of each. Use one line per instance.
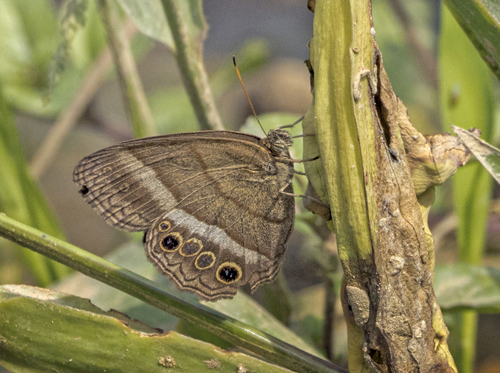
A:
(246, 94)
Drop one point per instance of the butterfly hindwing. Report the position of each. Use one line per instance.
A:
(203, 259)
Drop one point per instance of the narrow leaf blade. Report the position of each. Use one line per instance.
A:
(487, 154)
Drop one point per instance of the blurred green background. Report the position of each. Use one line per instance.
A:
(269, 39)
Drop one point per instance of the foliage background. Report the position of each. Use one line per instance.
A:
(270, 40)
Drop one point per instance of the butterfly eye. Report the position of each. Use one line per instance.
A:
(270, 168)
(229, 272)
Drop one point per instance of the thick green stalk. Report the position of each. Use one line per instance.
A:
(368, 150)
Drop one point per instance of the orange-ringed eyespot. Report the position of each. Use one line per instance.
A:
(164, 226)
(229, 273)
(191, 247)
(205, 260)
(171, 241)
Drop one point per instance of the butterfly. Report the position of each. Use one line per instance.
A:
(217, 207)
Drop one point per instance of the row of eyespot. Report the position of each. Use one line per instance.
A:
(227, 272)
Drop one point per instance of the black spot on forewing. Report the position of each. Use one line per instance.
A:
(84, 190)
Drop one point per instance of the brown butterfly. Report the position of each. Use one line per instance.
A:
(217, 207)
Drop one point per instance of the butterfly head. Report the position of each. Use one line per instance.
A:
(278, 141)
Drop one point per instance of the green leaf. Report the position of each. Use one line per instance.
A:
(466, 287)
(30, 60)
(87, 38)
(26, 48)
(72, 19)
(480, 19)
(21, 198)
(487, 154)
(42, 330)
(81, 39)
(467, 101)
(150, 19)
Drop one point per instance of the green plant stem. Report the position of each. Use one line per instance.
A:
(190, 62)
(133, 94)
(468, 336)
(225, 327)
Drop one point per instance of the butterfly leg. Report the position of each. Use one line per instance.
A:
(293, 124)
(282, 190)
(306, 160)
(296, 160)
(303, 135)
